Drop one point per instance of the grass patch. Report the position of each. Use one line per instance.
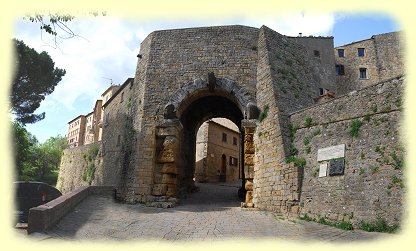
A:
(398, 162)
(374, 169)
(379, 225)
(344, 225)
(264, 113)
(355, 128)
(299, 162)
(308, 149)
(374, 108)
(308, 121)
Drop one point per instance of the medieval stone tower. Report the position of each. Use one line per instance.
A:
(269, 85)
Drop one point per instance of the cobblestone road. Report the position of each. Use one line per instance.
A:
(213, 213)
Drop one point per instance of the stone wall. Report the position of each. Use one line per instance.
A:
(118, 139)
(201, 154)
(372, 184)
(284, 84)
(74, 165)
(169, 60)
(390, 55)
(323, 63)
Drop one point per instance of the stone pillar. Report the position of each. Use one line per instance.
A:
(249, 127)
(167, 159)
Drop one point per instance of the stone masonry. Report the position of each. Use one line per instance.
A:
(268, 85)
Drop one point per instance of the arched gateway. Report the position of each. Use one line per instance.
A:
(187, 76)
(187, 109)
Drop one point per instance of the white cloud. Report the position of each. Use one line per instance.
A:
(89, 63)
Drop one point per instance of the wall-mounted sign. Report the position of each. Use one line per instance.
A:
(332, 152)
(336, 167)
(323, 168)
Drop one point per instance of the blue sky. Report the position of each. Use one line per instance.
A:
(109, 47)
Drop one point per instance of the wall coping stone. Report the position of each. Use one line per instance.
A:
(47, 215)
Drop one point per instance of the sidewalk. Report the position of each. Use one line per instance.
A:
(213, 213)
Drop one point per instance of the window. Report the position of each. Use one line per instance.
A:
(122, 97)
(341, 53)
(316, 53)
(339, 69)
(363, 73)
(224, 137)
(118, 140)
(234, 141)
(361, 52)
(233, 161)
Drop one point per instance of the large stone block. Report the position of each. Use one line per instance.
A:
(166, 155)
(249, 172)
(249, 147)
(169, 168)
(168, 179)
(171, 192)
(248, 185)
(249, 197)
(249, 159)
(159, 189)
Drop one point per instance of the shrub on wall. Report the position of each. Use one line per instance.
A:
(355, 128)
(264, 113)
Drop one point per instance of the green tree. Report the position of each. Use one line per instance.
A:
(36, 76)
(23, 141)
(35, 161)
(46, 157)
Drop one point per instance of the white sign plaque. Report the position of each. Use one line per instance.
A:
(331, 152)
(323, 167)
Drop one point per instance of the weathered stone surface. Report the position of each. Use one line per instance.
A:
(168, 179)
(159, 189)
(169, 168)
(248, 185)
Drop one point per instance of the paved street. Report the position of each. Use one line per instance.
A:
(213, 213)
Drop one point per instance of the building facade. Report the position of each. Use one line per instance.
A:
(367, 62)
(76, 131)
(217, 152)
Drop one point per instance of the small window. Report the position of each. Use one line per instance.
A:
(233, 161)
(122, 97)
(361, 52)
(316, 53)
(224, 137)
(363, 73)
(234, 141)
(118, 140)
(339, 69)
(341, 53)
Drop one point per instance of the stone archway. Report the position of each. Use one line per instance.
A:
(187, 109)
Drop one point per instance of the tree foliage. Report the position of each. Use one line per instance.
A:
(36, 76)
(35, 161)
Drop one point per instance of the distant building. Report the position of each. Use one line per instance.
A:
(217, 151)
(76, 131)
(364, 63)
(87, 129)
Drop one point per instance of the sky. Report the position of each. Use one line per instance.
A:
(106, 49)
